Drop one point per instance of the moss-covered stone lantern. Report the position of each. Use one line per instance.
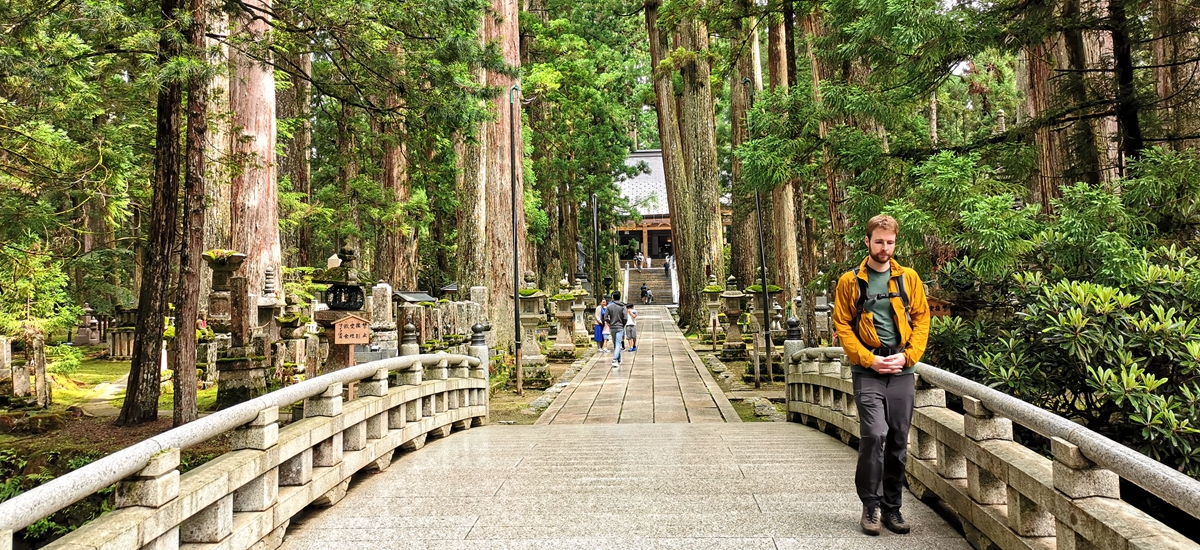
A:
(732, 301)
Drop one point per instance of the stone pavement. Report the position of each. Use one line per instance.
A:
(664, 381)
(686, 486)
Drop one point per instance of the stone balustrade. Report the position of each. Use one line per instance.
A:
(247, 497)
(1006, 495)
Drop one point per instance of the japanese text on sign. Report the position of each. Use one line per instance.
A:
(352, 330)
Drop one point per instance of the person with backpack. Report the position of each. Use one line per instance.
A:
(616, 316)
(882, 320)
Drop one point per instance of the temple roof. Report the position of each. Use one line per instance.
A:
(646, 192)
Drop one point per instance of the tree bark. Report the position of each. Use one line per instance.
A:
(1130, 127)
(700, 231)
(254, 210)
(294, 103)
(743, 238)
(185, 379)
(1033, 77)
(504, 30)
(1174, 52)
(834, 194)
(668, 126)
(398, 240)
(219, 151)
(141, 397)
(783, 198)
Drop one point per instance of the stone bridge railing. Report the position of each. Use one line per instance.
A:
(247, 497)
(1005, 494)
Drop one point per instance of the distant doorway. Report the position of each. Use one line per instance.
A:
(659, 243)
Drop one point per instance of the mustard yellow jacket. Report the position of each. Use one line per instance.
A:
(913, 336)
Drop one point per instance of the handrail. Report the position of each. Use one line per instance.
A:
(1159, 479)
(42, 501)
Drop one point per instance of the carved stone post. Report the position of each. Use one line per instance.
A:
(564, 341)
(582, 326)
(732, 298)
(980, 424)
(152, 487)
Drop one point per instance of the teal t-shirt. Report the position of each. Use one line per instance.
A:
(882, 312)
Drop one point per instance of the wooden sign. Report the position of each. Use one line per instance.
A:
(352, 330)
(938, 308)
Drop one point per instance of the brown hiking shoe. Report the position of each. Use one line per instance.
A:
(895, 522)
(870, 521)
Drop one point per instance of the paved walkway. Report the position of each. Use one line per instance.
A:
(746, 486)
(664, 381)
(648, 455)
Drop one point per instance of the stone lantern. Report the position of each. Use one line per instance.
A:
(532, 312)
(223, 264)
(578, 308)
(345, 298)
(564, 342)
(732, 300)
(712, 301)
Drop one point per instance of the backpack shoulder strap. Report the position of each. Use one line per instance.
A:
(902, 287)
(858, 303)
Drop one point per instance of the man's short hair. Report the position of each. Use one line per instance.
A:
(616, 295)
(884, 222)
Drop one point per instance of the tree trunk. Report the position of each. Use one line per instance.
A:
(219, 151)
(254, 196)
(1130, 129)
(294, 103)
(141, 397)
(743, 241)
(504, 30)
(472, 211)
(190, 261)
(700, 232)
(787, 262)
(1175, 51)
(834, 194)
(1033, 77)
(397, 258)
(668, 131)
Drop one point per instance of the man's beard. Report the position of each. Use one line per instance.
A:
(881, 258)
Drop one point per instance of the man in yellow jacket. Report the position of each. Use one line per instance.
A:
(882, 320)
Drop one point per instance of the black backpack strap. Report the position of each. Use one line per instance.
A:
(903, 288)
(858, 303)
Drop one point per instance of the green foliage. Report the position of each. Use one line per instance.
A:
(33, 290)
(64, 359)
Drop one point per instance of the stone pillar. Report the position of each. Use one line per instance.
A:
(20, 379)
(734, 348)
(408, 347)
(242, 372)
(5, 358)
(383, 321)
(564, 342)
(980, 424)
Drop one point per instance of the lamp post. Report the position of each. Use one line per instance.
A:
(596, 244)
(762, 259)
(512, 162)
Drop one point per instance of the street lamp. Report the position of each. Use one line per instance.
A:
(762, 259)
(596, 242)
(512, 164)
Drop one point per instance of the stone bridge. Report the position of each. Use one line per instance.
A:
(648, 455)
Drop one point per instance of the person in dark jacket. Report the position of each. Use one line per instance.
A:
(616, 316)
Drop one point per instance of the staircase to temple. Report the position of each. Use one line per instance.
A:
(656, 280)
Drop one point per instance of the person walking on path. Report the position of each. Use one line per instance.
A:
(616, 317)
(631, 328)
(882, 320)
(600, 328)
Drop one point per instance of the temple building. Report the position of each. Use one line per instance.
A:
(647, 193)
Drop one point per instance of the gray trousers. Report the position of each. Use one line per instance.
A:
(885, 407)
